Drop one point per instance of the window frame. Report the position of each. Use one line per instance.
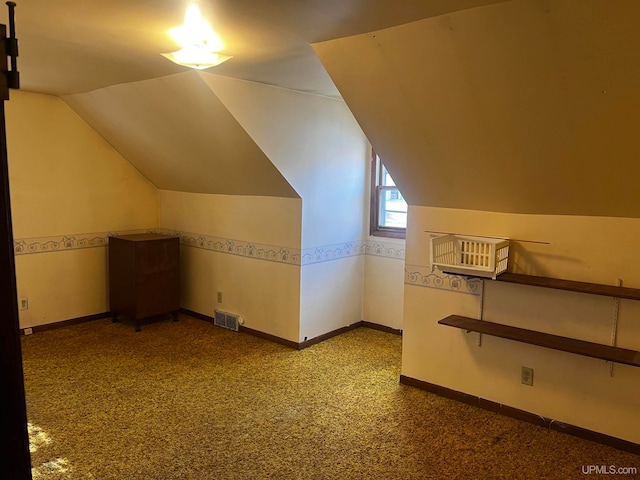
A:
(375, 229)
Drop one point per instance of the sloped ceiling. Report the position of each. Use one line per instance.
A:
(103, 58)
(528, 106)
(75, 46)
(179, 135)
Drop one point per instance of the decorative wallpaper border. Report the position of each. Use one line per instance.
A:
(26, 246)
(273, 253)
(416, 275)
(351, 249)
(327, 253)
(387, 250)
(422, 276)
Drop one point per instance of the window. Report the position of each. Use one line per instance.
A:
(388, 208)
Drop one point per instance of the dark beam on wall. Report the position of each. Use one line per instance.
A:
(16, 463)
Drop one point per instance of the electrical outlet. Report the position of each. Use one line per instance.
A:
(28, 331)
(219, 297)
(526, 376)
(24, 303)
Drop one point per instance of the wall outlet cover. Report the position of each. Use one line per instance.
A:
(526, 376)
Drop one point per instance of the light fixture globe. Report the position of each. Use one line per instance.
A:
(196, 57)
(200, 43)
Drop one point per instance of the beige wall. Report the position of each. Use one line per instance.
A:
(319, 148)
(69, 189)
(383, 292)
(331, 296)
(244, 247)
(569, 388)
(263, 220)
(72, 170)
(58, 164)
(383, 288)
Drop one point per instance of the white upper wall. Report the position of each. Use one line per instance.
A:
(321, 151)
(318, 147)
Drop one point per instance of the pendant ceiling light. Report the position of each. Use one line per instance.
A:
(200, 44)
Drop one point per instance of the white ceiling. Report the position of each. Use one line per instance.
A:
(74, 46)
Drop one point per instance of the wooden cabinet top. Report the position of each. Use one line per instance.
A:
(143, 237)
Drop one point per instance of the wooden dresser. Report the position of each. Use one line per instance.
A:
(144, 276)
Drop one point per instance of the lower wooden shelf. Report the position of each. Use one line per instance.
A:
(555, 342)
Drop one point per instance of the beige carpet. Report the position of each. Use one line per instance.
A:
(188, 400)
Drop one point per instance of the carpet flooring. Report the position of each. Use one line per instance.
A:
(189, 400)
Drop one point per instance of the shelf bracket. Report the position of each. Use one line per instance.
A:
(481, 309)
(614, 326)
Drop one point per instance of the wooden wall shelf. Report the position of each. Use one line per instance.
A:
(571, 285)
(556, 342)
